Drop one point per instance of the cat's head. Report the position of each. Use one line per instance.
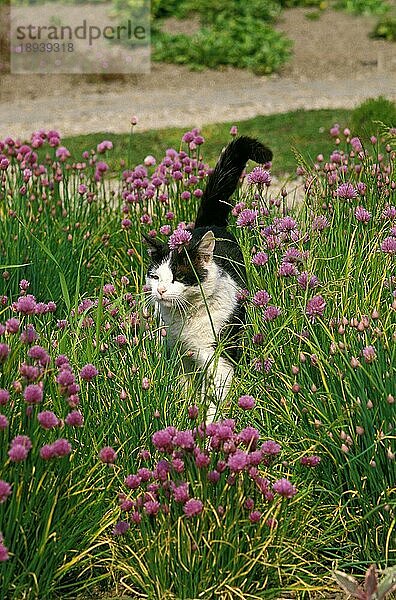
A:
(178, 277)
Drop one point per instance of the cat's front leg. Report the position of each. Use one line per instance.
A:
(218, 379)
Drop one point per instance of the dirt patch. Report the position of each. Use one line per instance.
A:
(335, 46)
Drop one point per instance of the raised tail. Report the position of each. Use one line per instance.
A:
(215, 206)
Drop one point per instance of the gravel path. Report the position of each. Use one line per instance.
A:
(335, 64)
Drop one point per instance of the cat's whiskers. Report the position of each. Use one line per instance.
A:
(182, 304)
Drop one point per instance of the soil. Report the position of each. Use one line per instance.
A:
(335, 64)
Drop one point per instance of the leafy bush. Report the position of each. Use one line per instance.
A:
(364, 7)
(365, 118)
(231, 33)
(385, 28)
(243, 43)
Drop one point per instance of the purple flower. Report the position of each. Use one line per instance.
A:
(213, 476)
(259, 176)
(315, 307)
(249, 436)
(88, 372)
(3, 550)
(184, 439)
(107, 455)
(3, 422)
(33, 394)
(61, 447)
(65, 377)
(12, 325)
(320, 223)
(270, 448)
(178, 465)
(38, 353)
(304, 281)
(260, 259)
(237, 461)
(5, 490)
(74, 419)
(132, 481)
(261, 298)
(284, 488)
(29, 335)
(4, 352)
(126, 223)
(193, 507)
(188, 137)
(310, 461)
(292, 255)
(136, 517)
(165, 230)
(258, 338)
(62, 153)
(120, 528)
(271, 313)
(4, 397)
(369, 354)
(362, 214)
(346, 190)
(162, 440)
(180, 492)
(162, 470)
(152, 507)
(26, 305)
(103, 146)
(62, 361)
(242, 295)
(246, 402)
(388, 246)
(247, 218)
(285, 224)
(356, 144)
(287, 269)
(46, 452)
(255, 516)
(47, 419)
(144, 474)
(22, 440)
(389, 212)
(180, 237)
(193, 412)
(361, 188)
(18, 453)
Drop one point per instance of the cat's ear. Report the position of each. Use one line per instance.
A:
(154, 247)
(206, 246)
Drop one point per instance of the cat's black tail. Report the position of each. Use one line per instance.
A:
(215, 206)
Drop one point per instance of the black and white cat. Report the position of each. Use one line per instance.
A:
(194, 286)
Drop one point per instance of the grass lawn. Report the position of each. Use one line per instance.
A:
(305, 130)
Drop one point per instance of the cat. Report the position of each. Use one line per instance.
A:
(194, 287)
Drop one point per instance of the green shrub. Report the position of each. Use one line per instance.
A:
(364, 7)
(243, 43)
(365, 115)
(385, 28)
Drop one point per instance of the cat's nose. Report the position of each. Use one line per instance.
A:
(161, 289)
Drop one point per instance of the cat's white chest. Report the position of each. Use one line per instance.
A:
(199, 328)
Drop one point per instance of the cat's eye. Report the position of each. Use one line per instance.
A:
(154, 276)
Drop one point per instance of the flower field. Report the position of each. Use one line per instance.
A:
(109, 477)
